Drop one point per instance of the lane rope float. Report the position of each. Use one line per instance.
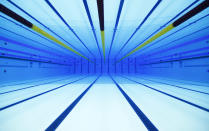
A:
(100, 6)
(27, 23)
(202, 6)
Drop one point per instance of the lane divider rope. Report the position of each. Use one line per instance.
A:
(100, 6)
(27, 23)
(50, 30)
(202, 6)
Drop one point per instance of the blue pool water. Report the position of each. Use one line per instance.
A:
(46, 86)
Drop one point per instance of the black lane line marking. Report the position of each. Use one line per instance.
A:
(64, 114)
(177, 86)
(15, 16)
(100, 6)
(29, 98)
(149, 125)
(202, 6)
(1, 93)
(177, 98)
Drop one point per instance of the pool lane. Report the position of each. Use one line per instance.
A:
(103, 108)
(38, 113)
(7, 99)
(53, 126)
(167, 113)
(18, 87)
(173, 84)
(189, 84)
(191, 96)
(146, 121)
(30, 82)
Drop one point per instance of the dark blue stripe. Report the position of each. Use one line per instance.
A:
(188, 83)
(42, 24)
(177, 86)
(151, 11)
(29, 54)
(92, 26)
(14, 66)
(180, 53)
(140, 114)
(177, 98)
(188, 57)
(23, 58)
(31, 86)
(70, 28)
(64, 114)
(29, 98)
(26, 45)
(192, 84)
(20, 52)
(27, 38)
(116, 25)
